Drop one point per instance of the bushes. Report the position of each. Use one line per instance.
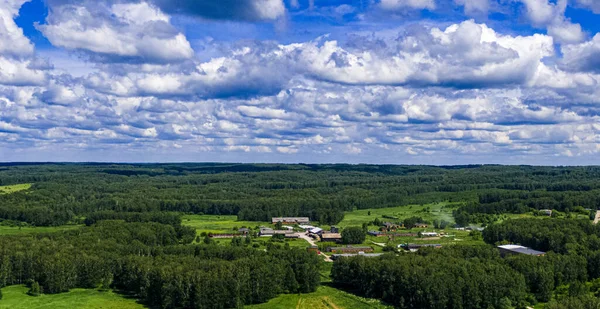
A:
(353, 235)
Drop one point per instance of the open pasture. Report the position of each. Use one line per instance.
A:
(14, 188)
(15, 297)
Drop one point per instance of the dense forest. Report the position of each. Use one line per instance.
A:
(154, 263)
(477, 277)
(63, 193)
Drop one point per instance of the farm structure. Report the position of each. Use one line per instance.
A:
(517, 249)
(337, 256)
(350, 249)
(291, 220)
(416, 247)
(331, 237)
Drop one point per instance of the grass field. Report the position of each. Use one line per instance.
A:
(14, 188)
(324, 298)
(218, 224)
(429, 212)
(15, 230)
(15, 297)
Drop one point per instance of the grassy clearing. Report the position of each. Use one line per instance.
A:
(324, 298)
(14, 188)
(429, 212)
(15, 297)
(28, 230)
(218, 224)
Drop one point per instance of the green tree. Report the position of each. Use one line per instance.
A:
(353, 235)
(35, 289)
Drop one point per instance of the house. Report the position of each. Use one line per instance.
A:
(350, 249)
(369, 255)
(244, 231)
(306, 227)
(421, 225)
(516, 249)
(290, 220)
(331, 237)
(429, 234)
(546, 212)
(334, 229)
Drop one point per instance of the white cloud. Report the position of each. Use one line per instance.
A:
(583, 57)
(474, 7)
(544, 13)
(121, 31)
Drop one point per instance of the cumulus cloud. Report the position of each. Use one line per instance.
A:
(117, 32)
(544, 13)
(474, 7)
(583, 57)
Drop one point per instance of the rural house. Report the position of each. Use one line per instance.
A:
(350, 249)
(331, 237)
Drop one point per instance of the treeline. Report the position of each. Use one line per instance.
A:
(150, 261)
(442, 278)
(62, 193)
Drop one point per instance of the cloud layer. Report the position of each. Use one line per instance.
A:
(422, 92)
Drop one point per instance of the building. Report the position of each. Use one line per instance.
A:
(266, 231)
(415, 247)
(369, 255)
(430, 234)
(376, 233)
(306, 227)
(334, 229)
(350, 249)
(421, 225)
(316, 231)
(390, 227)
(291, 220)
(313, 249)
(546, 212)
(331, 237)
(224, 235)
(517, 249)
(244, 231)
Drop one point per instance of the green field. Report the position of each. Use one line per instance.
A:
(15, 297)
(218, 224)
(324, 298)
(25, 230)
(429, 212)
(14, 188)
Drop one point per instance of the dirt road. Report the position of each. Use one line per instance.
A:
(597, 219)
(313, 243)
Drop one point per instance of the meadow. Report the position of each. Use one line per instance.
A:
(218, 223)
(324, 298)
(429, 212)
(14, 188)
(15, 297)
(28, 230)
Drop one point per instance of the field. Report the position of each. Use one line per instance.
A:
(15, 230)
(14, 188)
(218, 224)
(324, 298)
(429, 212)
(15, 297)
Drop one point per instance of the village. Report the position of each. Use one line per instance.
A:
(328, 242)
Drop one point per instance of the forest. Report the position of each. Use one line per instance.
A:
(128, 235)
(63, 193)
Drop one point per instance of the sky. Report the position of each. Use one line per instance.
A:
(310, 81)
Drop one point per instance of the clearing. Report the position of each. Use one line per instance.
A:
(218, 223)
(14, 188)
(27, 230)
(15, 297)
(324, 298)
(429, 212)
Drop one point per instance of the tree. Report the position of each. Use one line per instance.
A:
(208, 240)
(279, 225)
(35, 289)
(353, 235)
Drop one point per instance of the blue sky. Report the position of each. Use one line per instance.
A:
(356, 81)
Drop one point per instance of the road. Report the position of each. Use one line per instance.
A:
(313, 243)
(597, 219)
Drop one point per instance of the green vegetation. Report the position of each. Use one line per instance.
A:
(15, 297)
(14, 188)
(218, 223)
(429, 212)
(28, 230)
(324, 298)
